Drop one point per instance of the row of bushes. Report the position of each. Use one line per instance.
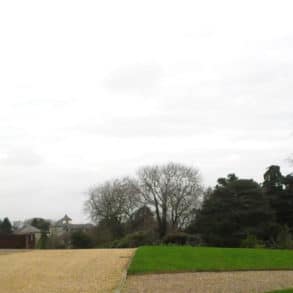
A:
(148, 238)
(284, 240)
(80, 239)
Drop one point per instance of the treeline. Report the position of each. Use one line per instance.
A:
(169, 204)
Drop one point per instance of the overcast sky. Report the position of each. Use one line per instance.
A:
(91, 90)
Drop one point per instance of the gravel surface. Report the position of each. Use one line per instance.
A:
(224, 282)
(63, 271)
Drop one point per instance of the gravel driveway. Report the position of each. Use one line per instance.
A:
(63, 271)
(224, 282)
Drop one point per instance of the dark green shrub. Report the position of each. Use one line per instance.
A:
(134, 240)
(284, 238)
(43, 242)
(181, 238)
(56, 242)
(80, 239)
(251, 241)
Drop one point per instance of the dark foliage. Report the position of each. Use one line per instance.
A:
(251, 242)
(5, 226)
(236, 212)
(134, 240)
(41, 224)
(80, 239)
(235, 208)
(181, 238)
(273, 180)
(43, 242)
(141, 220)
(279, 191)
(284, 238)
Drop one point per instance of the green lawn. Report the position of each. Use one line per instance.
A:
(157, 259)
(283, 291)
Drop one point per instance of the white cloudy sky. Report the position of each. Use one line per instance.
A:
(90, 90)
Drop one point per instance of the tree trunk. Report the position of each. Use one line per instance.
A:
(163, 228)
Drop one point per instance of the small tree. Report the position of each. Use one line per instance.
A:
(41, 224)
(141, 220)
(6, 227)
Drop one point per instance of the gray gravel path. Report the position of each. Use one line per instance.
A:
(211, 282)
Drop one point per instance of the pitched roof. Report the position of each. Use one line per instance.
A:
(27, 229)
(66, 218)
(62, 221)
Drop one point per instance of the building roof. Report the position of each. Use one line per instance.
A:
(66, 218)
(64, 221)
(27, 229)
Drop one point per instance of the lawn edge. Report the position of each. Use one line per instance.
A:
(281, 290)
(206, 271)
(124, 274)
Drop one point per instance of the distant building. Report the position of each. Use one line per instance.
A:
(26, 236)
(17, 225)
(12, 241)
(31, 233)
(64, 226)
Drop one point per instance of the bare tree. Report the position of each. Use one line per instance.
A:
(113, 201)
(174, 191)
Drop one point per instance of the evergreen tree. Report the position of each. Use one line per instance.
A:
(273, 180)
(6, 227)
(279, 191)
(41, 224)
(233, 210)
(141, 220)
